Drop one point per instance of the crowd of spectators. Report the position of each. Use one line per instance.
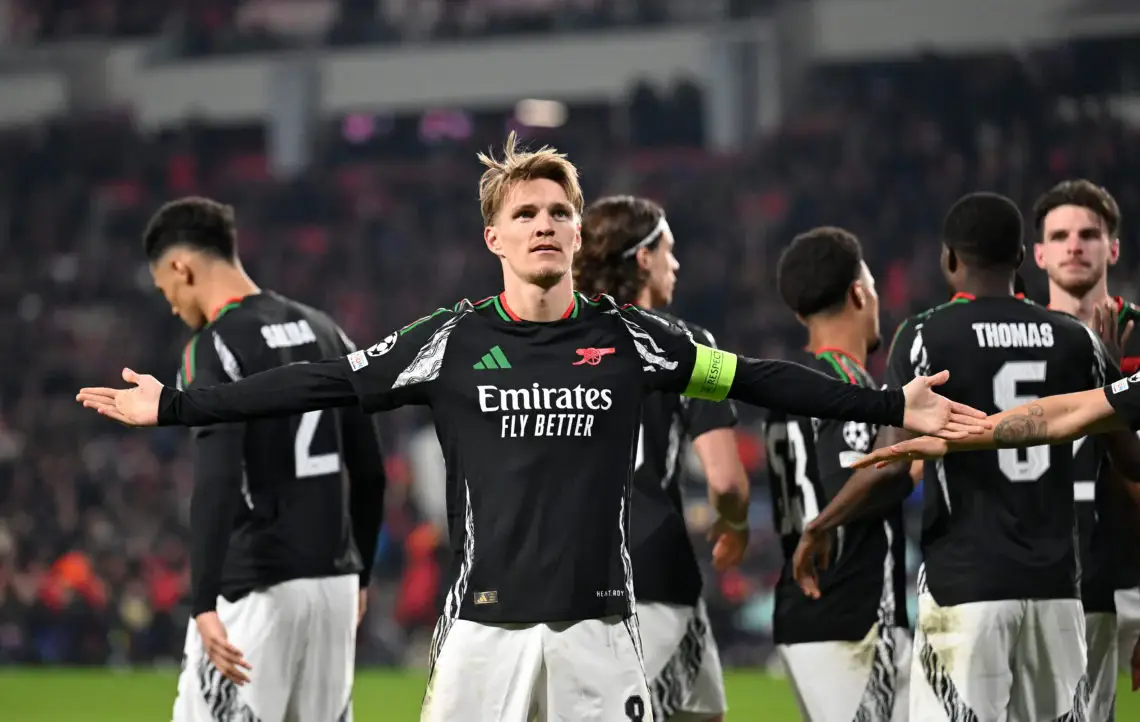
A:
(231, 26)
(384, 226)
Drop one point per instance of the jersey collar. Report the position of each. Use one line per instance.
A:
(509, 315)
(227, 307)
(842, 361)
(961, 297)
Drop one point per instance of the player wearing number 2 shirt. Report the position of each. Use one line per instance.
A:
(847, 653)
(536, 396)
(281, 545)
(1000, 631)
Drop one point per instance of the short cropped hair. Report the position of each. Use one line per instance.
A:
(986, 230)
(816, 270)
(1082, 193)
(199, 223)
(611, 227)
(518, 165)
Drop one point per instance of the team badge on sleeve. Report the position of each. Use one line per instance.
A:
(384, 346)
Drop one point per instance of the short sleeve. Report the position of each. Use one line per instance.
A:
(401, 369)
(906, 354)
(1124, 397)
(701, 415)
(672, 361)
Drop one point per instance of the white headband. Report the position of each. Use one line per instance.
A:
(661, 227)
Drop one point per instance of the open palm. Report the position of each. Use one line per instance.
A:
(929, 413)
(923, 448)
(137, 406)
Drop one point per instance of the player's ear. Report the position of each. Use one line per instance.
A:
(1020, 255)
(1113, 251)
(802, 320)
(644, 258)
(182, 271)
(858, 294)
(1039, 254)
(491, 238)
(950, 258)
(578, 237)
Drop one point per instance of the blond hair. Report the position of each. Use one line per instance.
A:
(519, 165)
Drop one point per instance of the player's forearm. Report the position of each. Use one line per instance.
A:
(725, 475)
(868, 492)
(282, 391)
(1049, 420)
(213, 506)
(798, 390)
(368, 481)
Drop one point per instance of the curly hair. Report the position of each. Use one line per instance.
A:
(610, 227)
(817, 268)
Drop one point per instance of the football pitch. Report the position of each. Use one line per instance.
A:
(35, 695)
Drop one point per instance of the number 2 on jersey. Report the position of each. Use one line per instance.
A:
(798, 508)
(306, 463)
(1036, 461)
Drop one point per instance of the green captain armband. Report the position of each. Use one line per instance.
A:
(713, 372)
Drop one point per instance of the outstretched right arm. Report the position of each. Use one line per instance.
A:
(280, 391)
(398, 371)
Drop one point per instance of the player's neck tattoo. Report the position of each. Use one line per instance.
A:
(1026, 429)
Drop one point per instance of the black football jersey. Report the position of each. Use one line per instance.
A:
(1000, 524)
(664, 562)
(294, 519)
(538, 423)
(809, 460)
(1099, 544)
(1117, 517)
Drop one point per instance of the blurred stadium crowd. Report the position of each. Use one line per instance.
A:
(385, 226)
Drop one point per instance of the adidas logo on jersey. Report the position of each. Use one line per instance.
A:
(493, 359)
(289, 334)
(1014, 335)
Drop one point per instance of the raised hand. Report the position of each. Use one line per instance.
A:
(929, 413)
(136, 406)
(1104, 323)
(921, 448)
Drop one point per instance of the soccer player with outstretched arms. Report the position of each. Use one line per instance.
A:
(536, 394)
(627, 252)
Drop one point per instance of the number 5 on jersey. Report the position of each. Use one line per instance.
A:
(1036, 461)
(306, 463)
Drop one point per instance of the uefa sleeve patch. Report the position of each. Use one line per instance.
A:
(1118, 387)
(357, 360)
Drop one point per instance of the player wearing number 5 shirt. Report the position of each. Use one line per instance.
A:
(1000, 630)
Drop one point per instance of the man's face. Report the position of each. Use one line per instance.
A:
(869, 311)
(662, 266)
(1075, 248)
(536, 233)
(173, 275)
